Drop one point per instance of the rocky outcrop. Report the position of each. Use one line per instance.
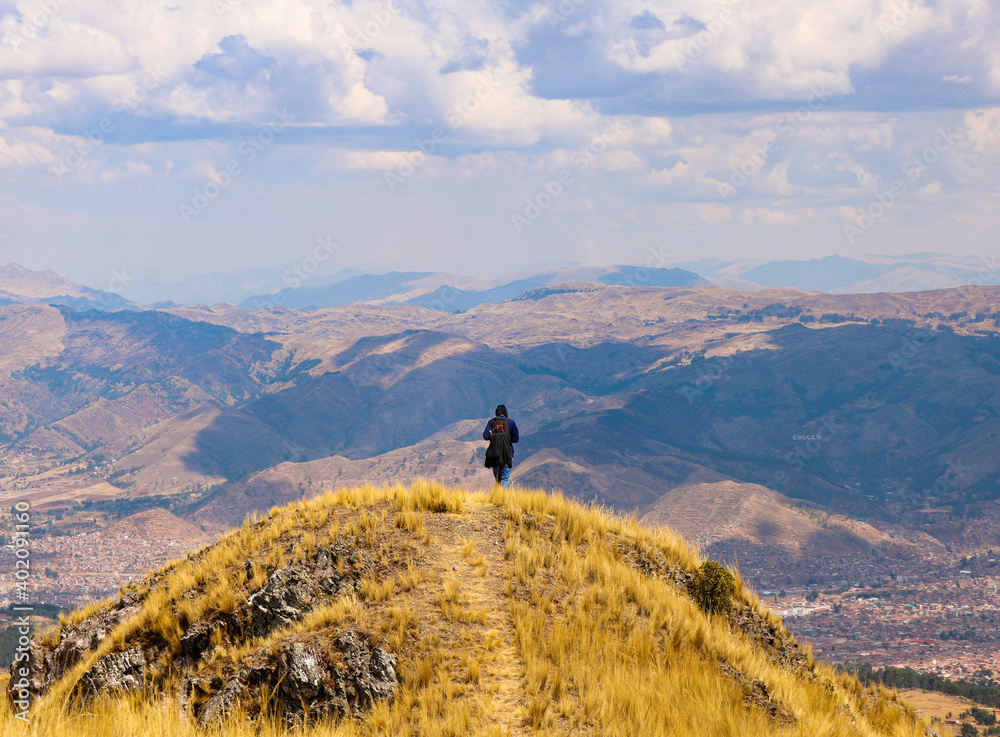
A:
(47, 663)
(755, 694)
(780, 647)
(115, 673)
(305, 680)
(288, 595)
(309, 674)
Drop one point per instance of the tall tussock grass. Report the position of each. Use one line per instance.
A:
(511, 612)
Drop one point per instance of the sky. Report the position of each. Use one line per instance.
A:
(146, 140)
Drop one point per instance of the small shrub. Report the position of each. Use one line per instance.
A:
(714, 587)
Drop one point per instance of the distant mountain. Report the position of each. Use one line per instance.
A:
(449, 293)
(453, 300)
(394, 287)
(816, 275)
(859, 404)
(865, 274)
(232, 287)
(25, 286)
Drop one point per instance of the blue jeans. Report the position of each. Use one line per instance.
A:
(502, 475)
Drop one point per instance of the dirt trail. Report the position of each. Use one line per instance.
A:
(502, 672)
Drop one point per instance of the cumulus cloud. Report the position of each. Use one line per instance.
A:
(732, 115)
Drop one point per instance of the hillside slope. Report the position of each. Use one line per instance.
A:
(427, 610)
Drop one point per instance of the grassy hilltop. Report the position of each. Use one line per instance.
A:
(433, 611)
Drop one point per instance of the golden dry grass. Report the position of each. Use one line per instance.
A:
(512, 612)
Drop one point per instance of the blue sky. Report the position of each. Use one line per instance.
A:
(168, 140)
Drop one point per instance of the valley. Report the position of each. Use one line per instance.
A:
(821, 441)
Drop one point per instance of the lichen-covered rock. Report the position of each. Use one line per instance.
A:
(30, 673)
(224, 703)
(76, 641)
(197, 639)
(295, 676)
(755, 694)
(116, 673)
(779, 646)
(46, 664)
(305, 681)
(288, 595)
(372, 671)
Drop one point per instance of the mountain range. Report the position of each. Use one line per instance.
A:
(309, 285)
(844, 407)
(844, 275)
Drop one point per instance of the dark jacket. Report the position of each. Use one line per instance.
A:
(513, 432)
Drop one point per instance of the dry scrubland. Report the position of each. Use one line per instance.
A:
(510, 612)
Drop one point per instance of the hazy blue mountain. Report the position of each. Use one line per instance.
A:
(815, 275)
(233, 287)
(441, 293)
(637, 276)
(27, 286)
(863, 274)
(361, 288)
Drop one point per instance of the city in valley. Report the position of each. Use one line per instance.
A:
(936, 613)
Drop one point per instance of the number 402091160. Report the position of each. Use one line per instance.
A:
(22, 551)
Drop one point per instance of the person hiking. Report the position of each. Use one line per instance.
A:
(501, 432)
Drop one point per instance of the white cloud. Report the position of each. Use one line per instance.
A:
(983, 128)
(517, 100)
